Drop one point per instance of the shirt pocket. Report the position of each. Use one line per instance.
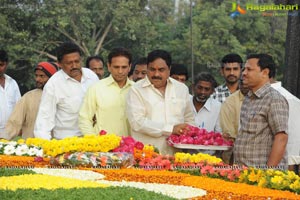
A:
(177, 107)
(70, 104)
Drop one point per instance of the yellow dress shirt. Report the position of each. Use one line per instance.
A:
(106, 101)
(230, 113)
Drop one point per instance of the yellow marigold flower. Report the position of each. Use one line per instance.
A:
(21, 141)
(38, 181)
(262, 182)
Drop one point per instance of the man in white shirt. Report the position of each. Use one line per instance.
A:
(9, 94)
(63, 95)
(293, 145)
(158, 105)
(206, 109)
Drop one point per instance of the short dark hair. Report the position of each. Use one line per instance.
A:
(231, 58)
(67, 48)
(205, 76)
(153, 55)
(88, 60)
(3, 56)
(179, 69)
(120, 51)
(265, 61)
(140, 61)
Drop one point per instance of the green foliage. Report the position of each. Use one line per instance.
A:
(111, 193)
(14, 171)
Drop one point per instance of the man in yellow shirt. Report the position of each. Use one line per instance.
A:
(106, 99)
(230, 118)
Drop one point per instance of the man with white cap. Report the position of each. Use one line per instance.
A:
(23, 117)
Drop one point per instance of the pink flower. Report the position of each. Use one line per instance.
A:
(139, 145)
(128, 140)
(102, 132)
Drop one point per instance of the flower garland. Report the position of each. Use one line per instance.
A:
(19, 148)
(23, 161)
(280, 180)
(87, 143)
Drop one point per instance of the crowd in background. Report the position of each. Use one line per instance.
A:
(149, 100)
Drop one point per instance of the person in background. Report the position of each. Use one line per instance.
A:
(293, 145)
(262, 137)
(158, 105)
(139, 69)
(9, 93)
(96, 64)
(63, 94)
(106, 99)
(231, 66)
(206, 109)
(230, 118)
(23, 117)
(179, 72)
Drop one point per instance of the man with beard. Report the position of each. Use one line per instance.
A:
(206, 109)
(231, 71)
(106, 99)
(63, 95)
(24, 114)
(158, 105)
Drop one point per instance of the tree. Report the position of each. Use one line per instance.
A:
(292, 59)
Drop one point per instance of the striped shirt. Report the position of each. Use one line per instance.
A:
(263, 115)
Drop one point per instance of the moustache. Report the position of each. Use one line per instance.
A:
(232, 76)
(75, 69)
(156, 77)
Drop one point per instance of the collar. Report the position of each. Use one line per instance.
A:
(261, 91)
(110, 80)
(223, 87)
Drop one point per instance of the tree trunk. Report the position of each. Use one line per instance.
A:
(292, 52)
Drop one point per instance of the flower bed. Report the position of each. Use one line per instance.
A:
(150, 167)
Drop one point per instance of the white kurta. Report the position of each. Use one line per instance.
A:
(9, 95)
(152, 115)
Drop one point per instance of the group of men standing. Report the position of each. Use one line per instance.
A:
(74, 102)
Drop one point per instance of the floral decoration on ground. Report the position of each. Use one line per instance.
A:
(87, 143)
(19, 148)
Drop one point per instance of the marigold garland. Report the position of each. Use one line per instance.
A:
(23, 161)
(87, 143)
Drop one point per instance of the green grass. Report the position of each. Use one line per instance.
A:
(110, 193)
(14, 171)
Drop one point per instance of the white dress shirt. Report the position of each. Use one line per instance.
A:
(208, 116)
(293, 145)
(60, 104)
(9, 95)
(152, 115)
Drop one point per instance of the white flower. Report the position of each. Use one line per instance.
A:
(70, 173)
(12, 143)
(9, 150)
(39, 152)
(1, 145)
(32, 151)
(22, 150)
